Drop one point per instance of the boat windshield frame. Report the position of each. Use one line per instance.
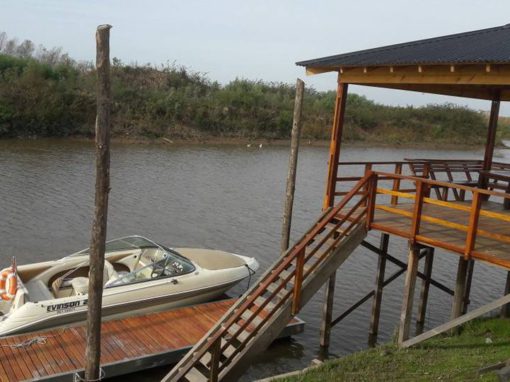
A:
(128, 244)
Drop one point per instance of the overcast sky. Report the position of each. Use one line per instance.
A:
(253, 39)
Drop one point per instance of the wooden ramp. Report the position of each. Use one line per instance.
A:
(128, 345)
(255, 320)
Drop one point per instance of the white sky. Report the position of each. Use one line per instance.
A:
(251, 39)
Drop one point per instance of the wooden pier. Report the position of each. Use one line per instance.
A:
(128, 345)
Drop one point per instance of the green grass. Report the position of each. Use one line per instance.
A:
(445, 358)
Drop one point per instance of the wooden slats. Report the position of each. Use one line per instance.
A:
(124, 340)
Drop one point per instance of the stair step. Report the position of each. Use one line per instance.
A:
(195, 376)
(281, 293)
(246, 315)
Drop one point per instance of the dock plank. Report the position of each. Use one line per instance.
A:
(128, 344)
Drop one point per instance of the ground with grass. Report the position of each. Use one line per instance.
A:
(446, 358)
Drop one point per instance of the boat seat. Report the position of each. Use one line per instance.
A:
(81, 284)
(38, 291)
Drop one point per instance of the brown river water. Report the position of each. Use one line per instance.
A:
(223, 197)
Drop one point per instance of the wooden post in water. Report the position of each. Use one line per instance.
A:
(460, 288)
(97, 245)
(329, 201)
(379, 285)
(409, 285)
(505, 309)
(424, 293)
(291, 176)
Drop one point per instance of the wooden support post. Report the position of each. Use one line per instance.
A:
(407, 300)
(298, 281)
(327, 314)
(329, 200)
(291, 175)
(460, 288)
(335, 144)
(424, 293)
(505, 309)
(469, 279)
(214, 368)
(97, 245)
(379, 285)
(491, 134)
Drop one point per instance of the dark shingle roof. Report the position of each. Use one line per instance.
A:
(485, 46)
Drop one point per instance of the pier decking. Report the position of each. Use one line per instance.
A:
(128, 344)
(397, 220)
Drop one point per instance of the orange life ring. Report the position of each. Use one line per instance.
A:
(8, 284)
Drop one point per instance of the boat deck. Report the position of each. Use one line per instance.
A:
(447, 228)
(128, 345)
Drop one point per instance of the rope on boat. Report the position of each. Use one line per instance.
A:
(251, 272)
(38, 340)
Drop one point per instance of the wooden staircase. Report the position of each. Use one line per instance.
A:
(257, 318)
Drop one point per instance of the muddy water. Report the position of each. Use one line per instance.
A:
(225, 197)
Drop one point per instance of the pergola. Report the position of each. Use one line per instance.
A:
(473, 64)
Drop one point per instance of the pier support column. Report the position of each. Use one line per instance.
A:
(424, 293)
(505, 309)
(460, 288)
(329, 201)
(407, 301)
(327, 314)
(379, 285)
(469, 279)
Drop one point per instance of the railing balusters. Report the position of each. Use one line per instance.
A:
(474, 217)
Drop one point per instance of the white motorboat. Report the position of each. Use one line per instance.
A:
(139, 276)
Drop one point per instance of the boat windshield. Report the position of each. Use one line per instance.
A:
(161, 263)
(122, 244)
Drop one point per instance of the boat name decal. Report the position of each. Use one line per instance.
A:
(66, 306)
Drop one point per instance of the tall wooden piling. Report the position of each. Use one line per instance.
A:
(97, 245)
(407, 300)
(379, 285)
(291, 176)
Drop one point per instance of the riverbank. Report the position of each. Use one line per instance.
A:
(254, 143)
(482, 347)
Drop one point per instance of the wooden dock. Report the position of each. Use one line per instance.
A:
(128, 345)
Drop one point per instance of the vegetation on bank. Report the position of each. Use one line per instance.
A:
(45, 93)
(482, 343)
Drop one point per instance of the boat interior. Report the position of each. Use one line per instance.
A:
(69, 276)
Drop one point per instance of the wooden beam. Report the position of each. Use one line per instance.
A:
(327, 313)
(491, 133)
(379, 285)
(469, 280)
(505, 309)
(438, 74)
(335, 144)
(458, 321)
(409, 285)
(424, 293)
(460, 288)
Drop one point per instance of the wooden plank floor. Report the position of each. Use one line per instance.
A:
(487, 249)
(128, 344)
